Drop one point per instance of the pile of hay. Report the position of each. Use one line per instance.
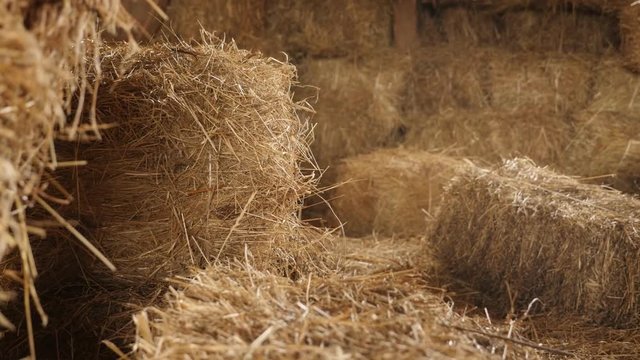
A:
(44, 47)
(391, 191)
(521, 232)
(548, 82)
(376, 306)
(358, 105)
(493, 135)
(606, 147)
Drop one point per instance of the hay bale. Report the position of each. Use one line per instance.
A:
(491, 136)
(629, 17)
(561, 31)
(329, 29)
(616, 89)
(466, 25)
(522, 232)
(241, 20)
(441, 79)
(606, 149)
(359, 104)
(204, 159)
(391, 191)
(549, 82)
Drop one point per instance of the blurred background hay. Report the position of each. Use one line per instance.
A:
(630, 34)
(390, 191)
(538, 81)
(605, 148)
(615, 88)
(244, 20)
(441, 79)
(348, 94)
(489, 136)
(531, 233)
(561, 31)
(330, 29)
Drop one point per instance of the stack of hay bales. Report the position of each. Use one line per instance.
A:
(359, 104)
(521, 232)
(301, 28)
(391, 191)
(492, 135)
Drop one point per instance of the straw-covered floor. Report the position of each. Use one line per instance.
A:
(376, 304)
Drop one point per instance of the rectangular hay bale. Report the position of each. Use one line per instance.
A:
(390, 191)
(521, 232)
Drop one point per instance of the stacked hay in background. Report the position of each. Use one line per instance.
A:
(606, 147)
(491, 135)
(300, 28)
(522, 232)
(359, 105)
(43, 51)
(560, 31)
(391, 191)
(630, 35)
(440, 79)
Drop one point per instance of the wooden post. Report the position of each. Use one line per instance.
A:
(405, 24)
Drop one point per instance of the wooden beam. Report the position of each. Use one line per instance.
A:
(405, 24)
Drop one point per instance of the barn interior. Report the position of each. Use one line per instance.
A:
(437, 179)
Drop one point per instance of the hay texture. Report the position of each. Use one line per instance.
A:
(467, 25)
(545, 82)
(522, 232)
(390, 191)
(606, 148)
(204, 158)
(630, 33)
(616, 88)
(358, 104)
(329, 29)
(374, 307)
(43, 48)
(491, 136)
(241, 20)
(441, 79)
(561, 31)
